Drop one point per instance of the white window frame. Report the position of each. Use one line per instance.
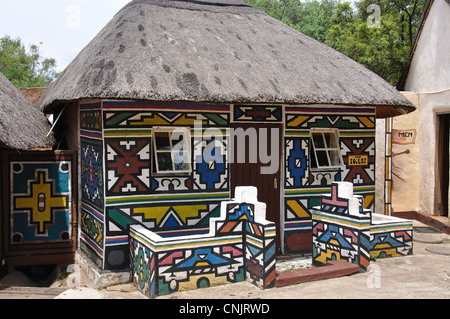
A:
(185, 131)
(334, 133)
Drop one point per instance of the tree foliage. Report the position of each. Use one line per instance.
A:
(25, 68)
(379, 40)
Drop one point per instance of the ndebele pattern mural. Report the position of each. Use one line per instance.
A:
(166, 166)
(40, 224)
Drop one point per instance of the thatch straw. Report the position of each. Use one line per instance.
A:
(22, 125)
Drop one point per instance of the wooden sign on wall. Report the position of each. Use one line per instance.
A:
(403, 137)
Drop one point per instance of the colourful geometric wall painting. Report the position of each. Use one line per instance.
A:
(303, 185)
(390, 236)
(257, 113)
(41, 204)
(92, 233)
(121, 187)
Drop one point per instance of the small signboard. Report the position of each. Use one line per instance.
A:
(404, 136)
(358, 160)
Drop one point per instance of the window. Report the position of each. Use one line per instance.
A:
(172, 150)
(325, 150)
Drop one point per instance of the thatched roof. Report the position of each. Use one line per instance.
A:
(220, 51)
(22, 125)
(33, 94)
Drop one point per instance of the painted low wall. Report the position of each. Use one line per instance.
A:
(390, 236)
(239, 246)
(343, 230)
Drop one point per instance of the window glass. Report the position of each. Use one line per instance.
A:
(172, 150)
(164, 161)
(162, 140)
(325, 150)
(318, 140)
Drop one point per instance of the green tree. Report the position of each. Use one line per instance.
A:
(344, 26)
(407, 13)
(25, 69)
(384, 49)
(310, 17)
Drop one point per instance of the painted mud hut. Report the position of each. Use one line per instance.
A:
(36, 217)
(166, 82)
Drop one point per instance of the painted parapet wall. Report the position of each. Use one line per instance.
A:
(390, 236)
(341, 228)
(239, 246)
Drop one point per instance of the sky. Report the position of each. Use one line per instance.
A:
(64, 27)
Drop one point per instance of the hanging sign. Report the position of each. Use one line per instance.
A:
(404, 136)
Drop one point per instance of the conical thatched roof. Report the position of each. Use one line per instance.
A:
(22, 125)
(220, 51)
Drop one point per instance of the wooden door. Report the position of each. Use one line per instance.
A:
(442, 170)
(40, 207)
(251, 173)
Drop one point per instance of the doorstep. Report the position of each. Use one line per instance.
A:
(437, 222)
(333, 269)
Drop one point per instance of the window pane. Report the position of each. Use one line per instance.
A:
(335, 158)
(313, 161)
(330, 139)
(318, 140)
(165, 161)
(180, 161)
(178, 142)
(322, 158)
(162, 140)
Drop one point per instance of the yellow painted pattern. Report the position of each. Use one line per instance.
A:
(41, 203)
(327, 255)
(158, 213)
(389, 252)
(192, 283)
(297, 209)
(368, 200)
(297, 121)
(366, 121)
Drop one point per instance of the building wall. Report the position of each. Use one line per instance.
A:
(428, 87)
(116, 134)
(303, 186)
